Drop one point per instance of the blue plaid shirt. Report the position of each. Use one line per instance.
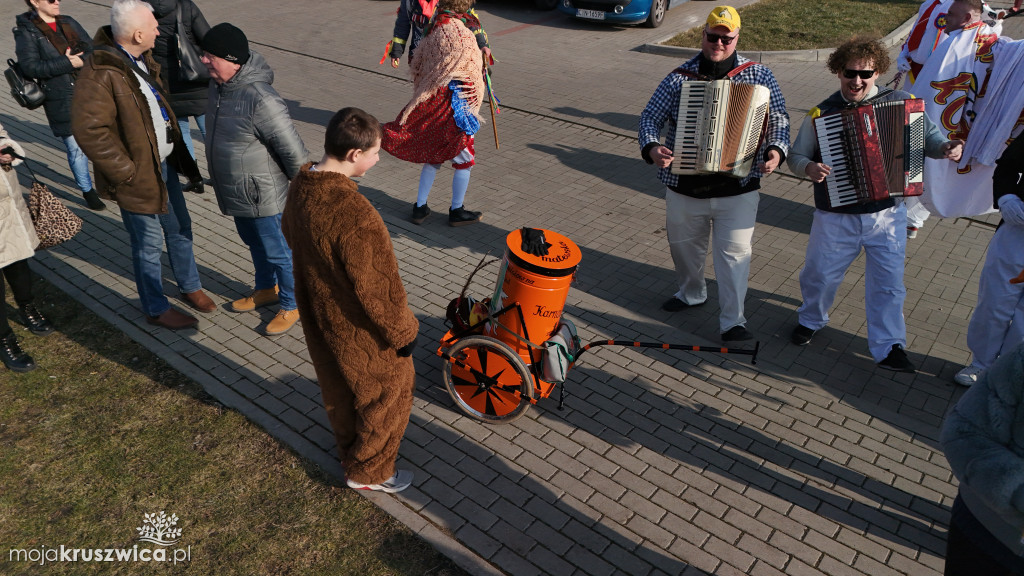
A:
(664, 106)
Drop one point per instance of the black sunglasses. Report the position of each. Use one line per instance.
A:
(864, 74)
(713, 38)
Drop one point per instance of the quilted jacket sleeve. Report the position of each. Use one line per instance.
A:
(274, 126)
(983, 436)
(33, 61)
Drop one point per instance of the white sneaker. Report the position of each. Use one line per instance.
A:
(968, 375)
(400, 481)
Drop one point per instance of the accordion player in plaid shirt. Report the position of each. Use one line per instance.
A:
(717, 203)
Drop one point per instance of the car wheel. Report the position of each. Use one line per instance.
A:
(546, 4)
(657, 16)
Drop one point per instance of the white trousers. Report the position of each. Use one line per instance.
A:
(835, 241)
(997, 324)
(917, 212)
(730, 222)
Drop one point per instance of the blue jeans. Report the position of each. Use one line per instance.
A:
(78, 162)
(186, 132)
(147, 233)
(271, 256)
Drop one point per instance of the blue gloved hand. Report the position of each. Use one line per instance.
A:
(1012, 209)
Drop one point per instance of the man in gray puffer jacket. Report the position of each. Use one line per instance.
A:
(983, 438)
(252, 152)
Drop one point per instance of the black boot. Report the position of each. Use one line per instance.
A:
(195, 186)
(93, 200)
(419, 213)
(35, 321)
(460, 216)
(13, 356)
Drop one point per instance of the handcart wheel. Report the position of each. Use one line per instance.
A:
(500, 389)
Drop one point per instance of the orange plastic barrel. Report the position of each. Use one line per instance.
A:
(540, 284)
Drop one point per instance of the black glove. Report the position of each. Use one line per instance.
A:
(9, 150)
(533, 241)
(406, 351)
(397, 49)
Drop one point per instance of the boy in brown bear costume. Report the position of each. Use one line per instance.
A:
(359, 329)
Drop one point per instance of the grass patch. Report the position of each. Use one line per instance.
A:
(104, 432)
(807, 24)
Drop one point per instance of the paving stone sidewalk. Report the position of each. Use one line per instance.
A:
(811, 462)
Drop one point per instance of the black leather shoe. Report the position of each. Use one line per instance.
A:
(13, 356)
(195, 186)
(419, 213)
(737, 334)
(461, 217)
(674, 304)
(35, 321)
(801, 335)
(93, 200)
(897, 361)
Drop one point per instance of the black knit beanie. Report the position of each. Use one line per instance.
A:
(227, 42)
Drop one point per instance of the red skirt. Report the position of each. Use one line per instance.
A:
(429, 135)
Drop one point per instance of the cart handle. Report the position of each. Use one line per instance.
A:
(666, 346)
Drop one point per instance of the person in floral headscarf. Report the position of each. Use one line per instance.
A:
(438, 124)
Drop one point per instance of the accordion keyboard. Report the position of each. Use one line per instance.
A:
(832, 136)
(690, 123)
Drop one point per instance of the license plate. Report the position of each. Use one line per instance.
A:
(589, 14)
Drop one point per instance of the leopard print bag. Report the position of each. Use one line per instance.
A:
(53, 221)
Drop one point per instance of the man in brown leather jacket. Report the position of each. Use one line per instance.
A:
(129, 143)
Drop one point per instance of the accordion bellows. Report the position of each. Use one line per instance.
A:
(719, 127)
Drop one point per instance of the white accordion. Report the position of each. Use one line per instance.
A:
(719, 127)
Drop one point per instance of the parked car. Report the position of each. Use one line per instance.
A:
(650, 12)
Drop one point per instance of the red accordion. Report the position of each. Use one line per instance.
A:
(876, 151)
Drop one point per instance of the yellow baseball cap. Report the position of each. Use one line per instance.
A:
(724, 16)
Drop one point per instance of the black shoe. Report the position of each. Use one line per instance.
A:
(897, 361)
(802, 335)
(93, 200)
(674, 304)
(13, 356)
(419, 213)
(737, 334)
(460, 216)
(34, 319)
(195, 186)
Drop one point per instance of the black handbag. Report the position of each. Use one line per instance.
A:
(28, 92)
(190, 65)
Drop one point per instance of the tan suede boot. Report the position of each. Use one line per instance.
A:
(283, 322)
(257, 299)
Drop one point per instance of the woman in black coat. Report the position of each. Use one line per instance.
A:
(187, 98)
(50, 48)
